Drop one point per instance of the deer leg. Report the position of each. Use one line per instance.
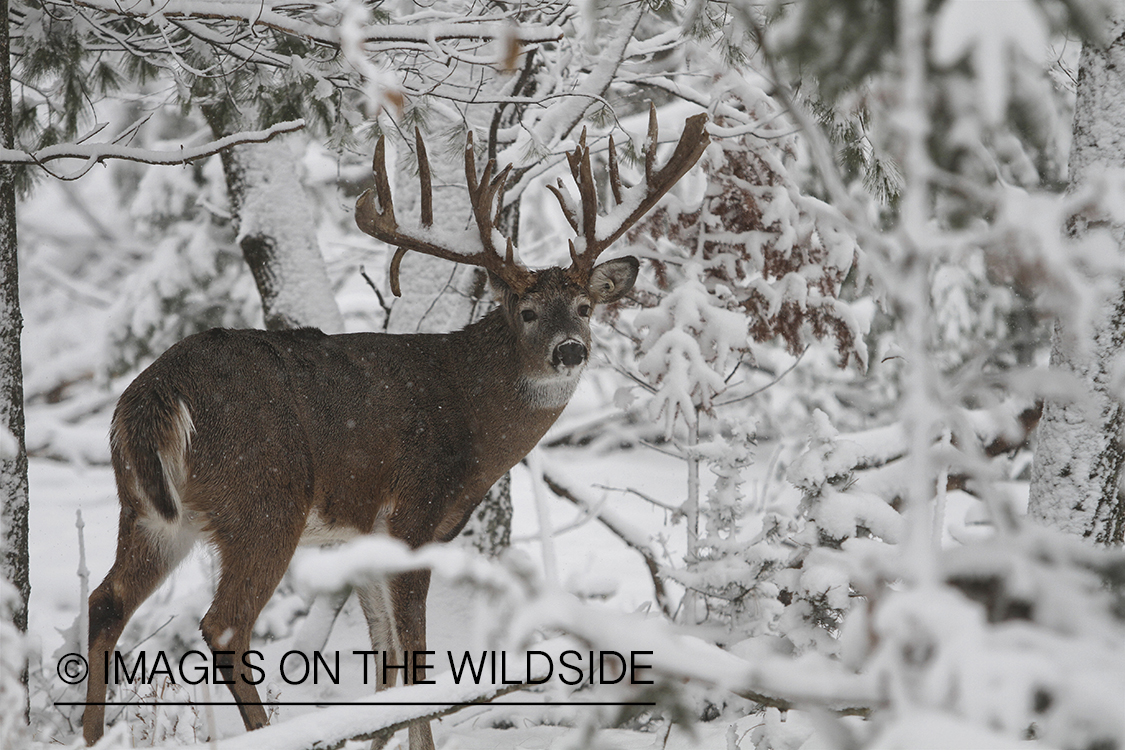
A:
(375, 600)
(144, 559)
(247, 581)
(408, 597)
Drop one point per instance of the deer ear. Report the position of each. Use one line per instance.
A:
(501, 292)
(613, 279)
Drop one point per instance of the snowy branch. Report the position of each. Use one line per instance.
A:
(334, 727)
(268, 14)
(757, 674)
(631, 538)
(95, 153)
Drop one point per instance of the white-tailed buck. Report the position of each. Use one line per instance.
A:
(258, 441)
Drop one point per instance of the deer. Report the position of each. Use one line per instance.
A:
(255, 442)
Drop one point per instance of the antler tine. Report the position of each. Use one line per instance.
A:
(427, 193)
(559, 191)
(486, 212)
(497, 188)
(614, 175)
(657, 182)
(587, 194)
(385, 209)
(427, 207)
(374, 214)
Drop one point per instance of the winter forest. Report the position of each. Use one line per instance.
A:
(844, 469)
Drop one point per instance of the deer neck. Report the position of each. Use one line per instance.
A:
(511, 411)
(492, 353)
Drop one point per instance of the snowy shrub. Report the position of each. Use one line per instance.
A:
(755, 262)
(195, 278)
(778, 255)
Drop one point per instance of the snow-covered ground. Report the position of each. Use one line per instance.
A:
(590, 562)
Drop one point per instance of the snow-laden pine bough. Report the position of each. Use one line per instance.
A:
(258, 441)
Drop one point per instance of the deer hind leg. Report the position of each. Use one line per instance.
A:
(145, 556)
(249, 575)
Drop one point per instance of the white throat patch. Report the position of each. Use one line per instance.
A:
(550, 392)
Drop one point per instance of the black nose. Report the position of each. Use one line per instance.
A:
(569, 353)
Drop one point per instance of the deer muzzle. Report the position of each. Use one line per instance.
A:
(569, 353)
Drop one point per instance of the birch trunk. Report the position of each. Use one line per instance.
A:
(1076, 478)
(277, 235)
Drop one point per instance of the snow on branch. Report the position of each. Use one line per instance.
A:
(620, 528)
(768, 678)
(373, 718)
(94, 153)
(271, 14)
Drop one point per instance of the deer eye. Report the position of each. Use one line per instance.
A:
(529, 316)
(584, 311)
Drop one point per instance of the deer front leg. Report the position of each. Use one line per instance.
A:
(408, 596)
(396, 620)
(375, 600)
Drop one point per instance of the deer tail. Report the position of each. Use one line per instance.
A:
(150, 438)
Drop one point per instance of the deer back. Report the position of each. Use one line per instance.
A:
(412, 429)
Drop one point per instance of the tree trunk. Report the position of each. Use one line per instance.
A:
(13, 455)
(1076, 478)
(277, 235)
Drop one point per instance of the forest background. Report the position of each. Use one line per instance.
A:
(851, 452)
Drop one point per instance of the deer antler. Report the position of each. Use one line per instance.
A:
(634, 202)
(375, 215)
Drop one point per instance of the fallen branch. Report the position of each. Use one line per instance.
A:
(333, 727)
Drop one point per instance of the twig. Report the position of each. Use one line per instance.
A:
(649, 557)
(641, 495)
(658, 449)
(770, 384)
(382, 300)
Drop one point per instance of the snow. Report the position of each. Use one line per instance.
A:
(806, 570)
(988, 31)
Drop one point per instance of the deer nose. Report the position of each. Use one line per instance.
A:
(569, 353)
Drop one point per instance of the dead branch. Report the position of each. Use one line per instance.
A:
(647, 554)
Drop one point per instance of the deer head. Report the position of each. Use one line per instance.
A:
(547, 310)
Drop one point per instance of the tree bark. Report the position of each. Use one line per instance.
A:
(1076, 482)
(13, 454)
(277, 234)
